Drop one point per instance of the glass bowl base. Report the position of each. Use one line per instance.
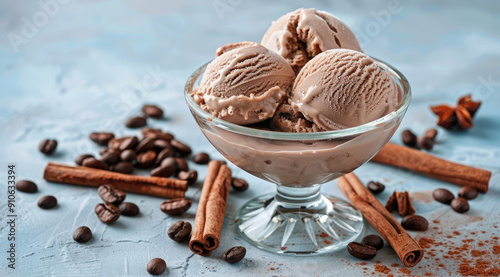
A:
(324, 226)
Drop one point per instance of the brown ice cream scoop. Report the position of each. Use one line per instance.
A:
(300, 35)
(245, 84)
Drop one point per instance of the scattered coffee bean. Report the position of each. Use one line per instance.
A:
(201, 158)
(94, 163)
(165, 153)
(431, 133)
(374, 241)
(361, 251)
(129, 143)
(179, 231)
(136, 122)
(146, 159)
(180, 147)
(79, 159)
(110, 158)
(111, 194)
(239, 184)
(375, 187)
(460, 205)
(156, 266)
(168, 161)
(443, 195)
(101, 138)
(409, 138)
(182, 165)
(152, 111)
(175, 206)
(122, 167)
(47, 202)
(425, 143)
(128, 209)
(163, 171)
(128, 155)
(48, 146)
(26, 186)
(82, 234)
(156, 133)
(467, 192)
(107, 213)
(234, 254)
(189, 176)
(145, 145)
(161, 144)
(116, 142)
(414, 223)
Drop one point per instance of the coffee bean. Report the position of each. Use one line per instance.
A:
(26, 186)
(156, 133)
(467, 192)
(163, 171)
(361, 251)
(161, 144)
(111, 194)
(122, 167)
(375, 187)
(136, 122)
(182, 165)
(101, 138)
(431, 133)
(47, 202)
(460, 205)
(373, 241)
(180, 147)
(179, 231)
(79, 159)
(409, 138)
(152, 111)
(414, 223)
(110, 158)
(116, 142)
(146, 159)
(156, 266)
(128, 209)
(145, 145)
(443, 195)
(94, 163)
(239, 184)
(201, 158)
(234, 254)
(175, 206)
(128, 155)
(189, 176)
(48, 146)
(165, 153)
(82, 234)
(169, 161)
(107, 213)
(425, 143)
(109, 150)
(129, 143)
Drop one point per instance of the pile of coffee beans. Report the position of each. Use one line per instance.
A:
(459, 204)
(367, 249)
(425, 142)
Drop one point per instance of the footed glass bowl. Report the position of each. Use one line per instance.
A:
(298, 219)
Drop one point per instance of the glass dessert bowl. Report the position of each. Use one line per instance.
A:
(298, 219)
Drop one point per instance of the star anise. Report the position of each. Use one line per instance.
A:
(459, 117)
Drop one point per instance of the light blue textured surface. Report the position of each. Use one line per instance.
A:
(89, 65)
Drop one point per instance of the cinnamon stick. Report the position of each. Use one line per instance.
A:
(418, 161)
(211, 209)
(408, 250)
(91, 177)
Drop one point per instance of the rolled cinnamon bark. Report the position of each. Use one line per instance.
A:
(91, 177)
(418, 161)
(211, 209)
(408, 250)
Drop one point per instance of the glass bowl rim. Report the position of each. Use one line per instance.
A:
(249, 131)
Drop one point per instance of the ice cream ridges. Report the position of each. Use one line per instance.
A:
(336, 87)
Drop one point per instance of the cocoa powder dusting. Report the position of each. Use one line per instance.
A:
(382, 268)
(405, 271)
